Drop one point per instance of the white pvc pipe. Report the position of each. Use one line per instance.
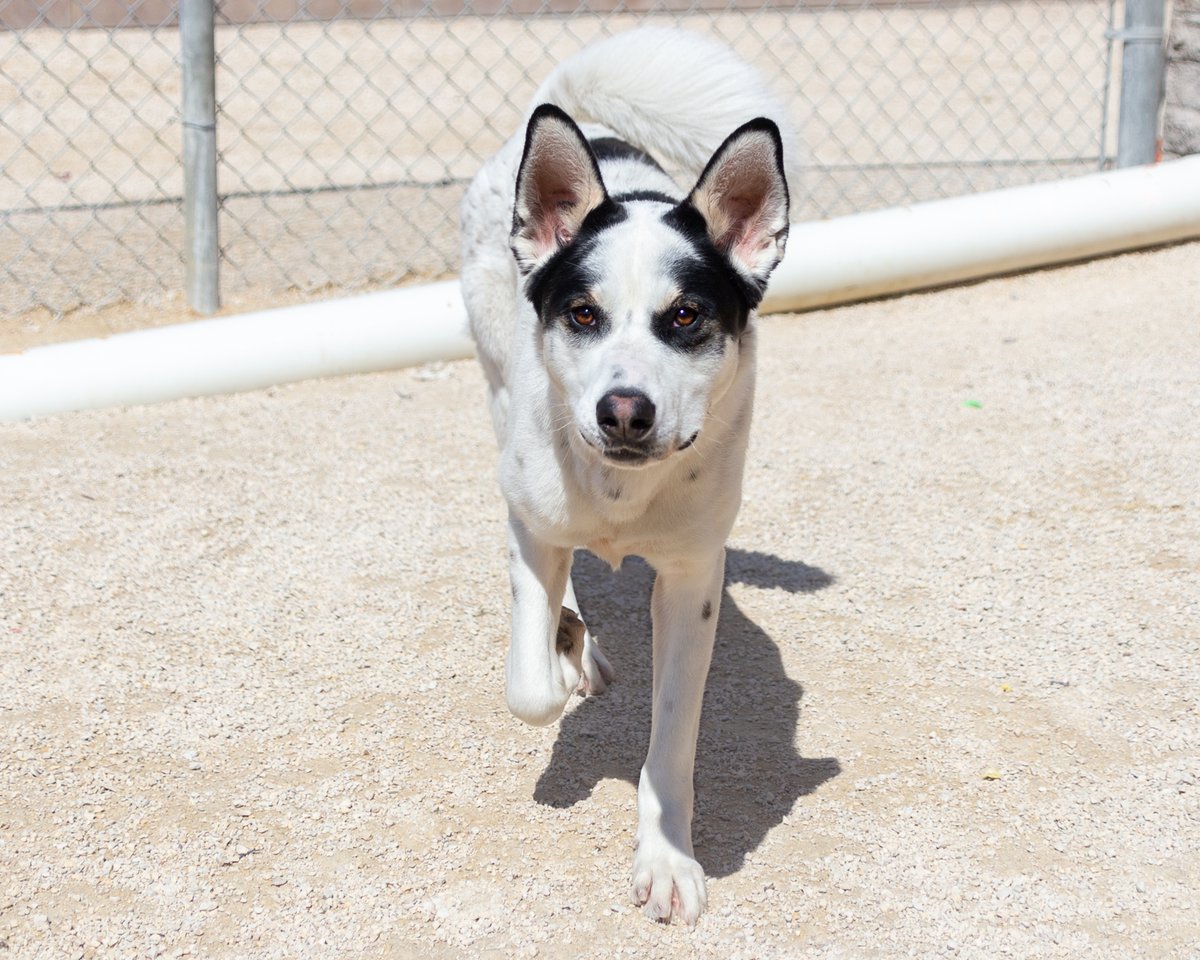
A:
(851, 258)
(376, 331)
(930, 244)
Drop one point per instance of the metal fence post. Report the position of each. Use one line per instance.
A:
(1143, 63)
(201, 254)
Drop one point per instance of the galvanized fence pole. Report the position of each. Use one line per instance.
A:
(1143, 65)
(201, 254)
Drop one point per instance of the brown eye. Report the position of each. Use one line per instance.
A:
(585, 316)
(684, 316)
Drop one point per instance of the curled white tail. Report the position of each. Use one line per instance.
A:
(675, 94)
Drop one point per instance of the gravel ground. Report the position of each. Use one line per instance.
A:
(251, 659)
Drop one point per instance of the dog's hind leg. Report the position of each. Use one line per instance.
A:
(667, 880)
(579, 650)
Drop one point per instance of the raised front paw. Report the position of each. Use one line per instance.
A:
(668, 883)
(584, 666)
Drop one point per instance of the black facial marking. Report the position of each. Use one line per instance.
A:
(708, 263)
(706, 610)
(613, 493)
(694, 476)
(611, 148)
(566, 274)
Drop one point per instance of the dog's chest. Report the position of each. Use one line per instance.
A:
(618, 514)
(609, 552)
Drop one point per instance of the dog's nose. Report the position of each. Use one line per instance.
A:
(625, 415)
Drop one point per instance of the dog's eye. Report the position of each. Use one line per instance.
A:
(584, 315)
(684, 316)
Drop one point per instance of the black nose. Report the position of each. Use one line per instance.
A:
(625, 415)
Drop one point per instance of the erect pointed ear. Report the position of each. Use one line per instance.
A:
(558, 185)
(742, 195)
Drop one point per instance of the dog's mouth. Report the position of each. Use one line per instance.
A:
(628, 455)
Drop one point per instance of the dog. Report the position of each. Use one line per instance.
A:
(614, 317)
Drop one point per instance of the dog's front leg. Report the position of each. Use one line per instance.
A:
(666, 877)
(535, 686)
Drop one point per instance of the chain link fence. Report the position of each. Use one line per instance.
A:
(347, 130)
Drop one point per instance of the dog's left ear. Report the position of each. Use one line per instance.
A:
(742, 195)
(558, 185)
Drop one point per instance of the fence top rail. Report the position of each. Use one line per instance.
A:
(117, 14)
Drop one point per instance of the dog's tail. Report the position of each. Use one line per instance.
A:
(674, 94)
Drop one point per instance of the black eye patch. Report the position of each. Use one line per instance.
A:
(705, 283)
(697, 329)
(706, 273)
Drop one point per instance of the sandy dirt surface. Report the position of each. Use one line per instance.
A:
(251, 661)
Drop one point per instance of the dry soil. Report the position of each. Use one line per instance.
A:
(251, 661)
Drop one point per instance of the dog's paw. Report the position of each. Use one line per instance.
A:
(585, 668)
(667, 883)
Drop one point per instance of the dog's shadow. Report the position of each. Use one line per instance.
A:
(748, 773)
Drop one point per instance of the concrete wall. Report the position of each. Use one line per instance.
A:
(1181, 127)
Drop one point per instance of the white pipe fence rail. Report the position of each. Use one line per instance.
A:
(827, 262)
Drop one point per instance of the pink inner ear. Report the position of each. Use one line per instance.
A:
(746, 222)
(551, 230)
(745, 239)
(742, 205)
(745, 207)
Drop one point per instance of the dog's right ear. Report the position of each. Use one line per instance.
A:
(558, 185)
(743, 196)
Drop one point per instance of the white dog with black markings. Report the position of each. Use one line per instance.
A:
(614, 316)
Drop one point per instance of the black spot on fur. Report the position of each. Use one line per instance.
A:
(612, 148)
(694, 476)
(570, 630)
(706, 610)
(613, 493)
(656, 195)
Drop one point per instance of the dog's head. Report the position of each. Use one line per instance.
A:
(643, 299)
